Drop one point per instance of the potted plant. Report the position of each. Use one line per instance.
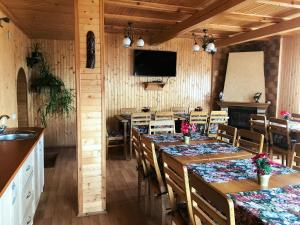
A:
(285, 115)
(186, 130)
(263, 168)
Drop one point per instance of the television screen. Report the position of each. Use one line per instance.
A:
(154, 63)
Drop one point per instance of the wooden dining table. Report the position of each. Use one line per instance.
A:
(199, 141)
(254, 204)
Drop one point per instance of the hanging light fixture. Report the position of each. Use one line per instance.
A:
(208, 43)
(196, 46)
(129, 37)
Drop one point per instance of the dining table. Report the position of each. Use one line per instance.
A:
(278, 203)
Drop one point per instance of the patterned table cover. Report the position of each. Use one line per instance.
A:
(277, 206)
(163, 138)
(229, 170)
(200, 149)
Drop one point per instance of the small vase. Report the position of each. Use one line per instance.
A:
(186, 140)
(264, 180)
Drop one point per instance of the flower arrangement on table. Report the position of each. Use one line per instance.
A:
(263, 166)
(285, 114)
(186, 130)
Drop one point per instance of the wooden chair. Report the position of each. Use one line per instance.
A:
(200, 120)
(227, 133)
(206, 205)
(113, 140)
(141, 166)
(280, 140)
(164, 116)
(140, 121)
(161, 126)
(153, 109)
(155, 181)
(128, 111)
(179, 110)
(295, 117)
(216, 118)
(295, 160)
(174, 178)
(250, 141)
(258, 123)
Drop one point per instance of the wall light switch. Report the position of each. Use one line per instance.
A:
(14, 116)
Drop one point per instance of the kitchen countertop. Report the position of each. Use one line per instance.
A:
(13, 154)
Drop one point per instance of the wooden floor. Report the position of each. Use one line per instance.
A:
(58, 202)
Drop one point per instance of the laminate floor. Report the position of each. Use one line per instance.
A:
(58, 201)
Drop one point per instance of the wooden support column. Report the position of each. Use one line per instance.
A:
(89, 16)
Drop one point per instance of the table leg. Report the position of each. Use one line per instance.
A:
(125, 139)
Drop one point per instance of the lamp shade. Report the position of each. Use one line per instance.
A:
(126, 42)
(210, 47)
(196, 47)
(140, 43)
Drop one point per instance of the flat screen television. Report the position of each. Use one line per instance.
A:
(154, 63)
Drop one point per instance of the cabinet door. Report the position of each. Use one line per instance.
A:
(36, 176)
(41, 161)
(6, 208)
(9, 211)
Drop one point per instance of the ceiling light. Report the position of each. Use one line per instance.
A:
(129, 37)
(208, 43)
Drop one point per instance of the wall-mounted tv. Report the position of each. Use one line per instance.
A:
(154, 63)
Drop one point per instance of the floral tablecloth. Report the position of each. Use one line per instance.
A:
(163, 138)
(225, 171)
(200, 149)
(277, 206)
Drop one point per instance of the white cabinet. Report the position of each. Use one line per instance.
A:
(20, 199)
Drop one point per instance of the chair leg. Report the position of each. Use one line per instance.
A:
(282, 159)
(106, 143)
(139, 185)
(130, 146)
(164, 206)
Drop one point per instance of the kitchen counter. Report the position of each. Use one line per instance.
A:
(13, 154)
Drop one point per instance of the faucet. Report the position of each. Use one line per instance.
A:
(3, 126)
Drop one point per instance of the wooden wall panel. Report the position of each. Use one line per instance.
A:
(191, 86)
(90, 109)
(13, 51)
(60, 55)
(289, 84)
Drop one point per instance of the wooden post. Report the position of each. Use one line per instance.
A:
(89, 16)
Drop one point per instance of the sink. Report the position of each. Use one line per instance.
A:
(17, 135)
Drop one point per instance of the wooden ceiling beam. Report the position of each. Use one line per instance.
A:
(283, 27)
(152, 6)
(281, 3)
(139, 19)
(223, 27)
(196, 20)
(253, 17)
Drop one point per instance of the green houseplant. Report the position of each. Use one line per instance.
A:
(55, 98)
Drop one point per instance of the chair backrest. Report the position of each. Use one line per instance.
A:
(164, 116)
(174, 177)
(295, 117)
(279, 134)
(140, 121)
(295, 162)
(179, 109)
(128, 111)
(227, 133)
(136, 145)
(151, 162)
(200, 120)
(161, 126)
(250, 141)
(216, 118)
(207, 205)
(258, 123)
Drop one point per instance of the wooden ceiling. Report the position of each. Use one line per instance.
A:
(163, 19)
